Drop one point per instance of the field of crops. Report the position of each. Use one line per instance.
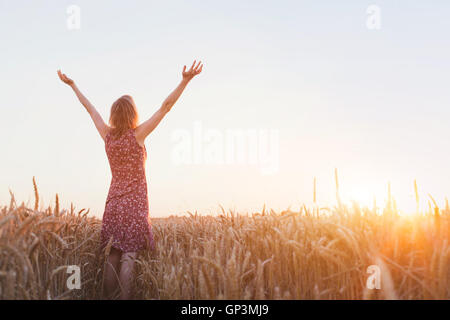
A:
(311, 254)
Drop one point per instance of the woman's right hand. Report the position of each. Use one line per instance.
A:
(193, 71)
(64, 78)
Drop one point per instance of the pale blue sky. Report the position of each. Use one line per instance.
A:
(372, 103)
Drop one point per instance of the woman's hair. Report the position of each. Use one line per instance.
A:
(123, 116)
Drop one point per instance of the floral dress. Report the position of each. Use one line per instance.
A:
(126, 218)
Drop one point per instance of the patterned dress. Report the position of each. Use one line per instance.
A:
(126, 219)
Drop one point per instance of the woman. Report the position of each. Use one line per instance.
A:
(125, 220)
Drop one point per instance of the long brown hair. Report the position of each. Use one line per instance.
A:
(124, 115)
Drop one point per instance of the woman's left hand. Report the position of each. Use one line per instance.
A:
(65, 78)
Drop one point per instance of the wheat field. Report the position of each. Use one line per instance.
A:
(316, 253)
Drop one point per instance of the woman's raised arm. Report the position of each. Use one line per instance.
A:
(101, 126)
(144, 129)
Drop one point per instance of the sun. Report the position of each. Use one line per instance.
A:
(362, 196)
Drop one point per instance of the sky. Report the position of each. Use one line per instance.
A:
(311, 84)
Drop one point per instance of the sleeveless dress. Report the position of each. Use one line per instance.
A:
(126, 218)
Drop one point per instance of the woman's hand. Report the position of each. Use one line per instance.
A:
(64, 78)
(101, 126)
(144, 129)
(193, 71)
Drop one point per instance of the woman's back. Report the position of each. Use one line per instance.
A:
(127, 161)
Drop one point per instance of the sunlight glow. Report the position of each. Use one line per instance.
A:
(364, 197)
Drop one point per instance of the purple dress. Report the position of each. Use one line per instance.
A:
(126, 218)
